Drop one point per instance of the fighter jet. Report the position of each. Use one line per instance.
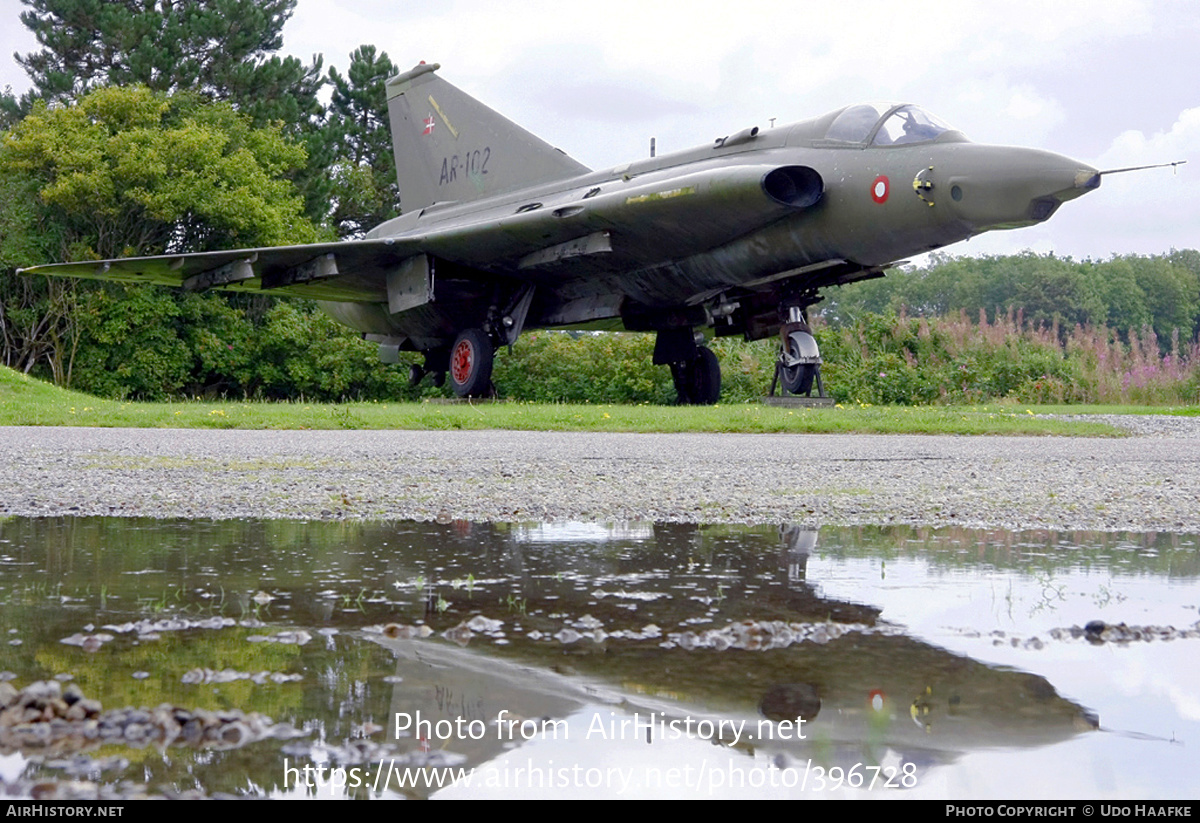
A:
(501, 232)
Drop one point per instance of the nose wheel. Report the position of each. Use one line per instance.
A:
(799, 380)
(797, 371)
(799, 364)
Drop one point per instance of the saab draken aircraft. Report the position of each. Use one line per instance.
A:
(502, 232)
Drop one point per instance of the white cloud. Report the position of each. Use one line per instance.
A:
(600, 78)
(1134, 147)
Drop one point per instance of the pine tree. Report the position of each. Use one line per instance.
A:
(363, 169)
(222, 49)
(10, 108)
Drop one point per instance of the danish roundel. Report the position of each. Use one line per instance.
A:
(880, 188)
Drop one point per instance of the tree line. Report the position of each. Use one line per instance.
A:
(1159, 292)
(159, 127)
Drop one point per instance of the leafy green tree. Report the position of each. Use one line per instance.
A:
(303, 352)
(1172, 295)
(1188, 259)
(1046, 290)
(219, 49)
(1120, 303)
(132, 171)
(35, 313)
(1130, 292)
(131, 344)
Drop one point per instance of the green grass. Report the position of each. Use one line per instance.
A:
(1100, 408)
(28, 402)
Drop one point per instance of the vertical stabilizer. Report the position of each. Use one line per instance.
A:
(449, 146)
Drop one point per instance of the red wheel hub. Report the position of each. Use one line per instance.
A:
(462, 362)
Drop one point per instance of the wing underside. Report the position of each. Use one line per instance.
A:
(350, 271)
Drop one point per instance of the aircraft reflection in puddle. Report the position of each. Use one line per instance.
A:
(736, 652)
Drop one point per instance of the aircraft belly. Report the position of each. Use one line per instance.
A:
(786, 244)
(556, 311)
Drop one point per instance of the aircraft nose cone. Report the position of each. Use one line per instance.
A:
(996, 187)
(1087, 179)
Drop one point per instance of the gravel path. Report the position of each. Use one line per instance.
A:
(1147, 482)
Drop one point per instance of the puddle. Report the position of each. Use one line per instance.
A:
(290, 659)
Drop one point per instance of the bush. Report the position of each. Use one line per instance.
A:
(556, 367)
(152, 344)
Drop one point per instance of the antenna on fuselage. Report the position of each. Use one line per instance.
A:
(651, 146)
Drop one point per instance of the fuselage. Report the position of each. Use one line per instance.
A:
(851, 192)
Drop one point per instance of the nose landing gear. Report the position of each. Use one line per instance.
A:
(799, 365)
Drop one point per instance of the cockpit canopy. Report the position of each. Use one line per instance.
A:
(885, 124)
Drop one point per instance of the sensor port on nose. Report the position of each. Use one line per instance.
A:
(1042, 208)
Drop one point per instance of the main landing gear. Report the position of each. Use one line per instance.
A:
(471, 359)
(698, 381)
(417, 373)
(694, 367)
(467, 363)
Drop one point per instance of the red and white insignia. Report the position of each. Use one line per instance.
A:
(428, 125)
(879, 189)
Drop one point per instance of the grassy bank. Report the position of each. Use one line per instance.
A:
(28, 402)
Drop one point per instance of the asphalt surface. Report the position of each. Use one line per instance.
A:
(1146, 482)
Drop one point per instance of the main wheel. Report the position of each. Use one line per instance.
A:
(798, 379)
(471, 359)
(698, 381)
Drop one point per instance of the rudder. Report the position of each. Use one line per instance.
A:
(451, 147)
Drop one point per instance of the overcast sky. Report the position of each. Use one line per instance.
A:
(1111, 82)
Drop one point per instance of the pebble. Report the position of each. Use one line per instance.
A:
(47, 716)
(1148, 481)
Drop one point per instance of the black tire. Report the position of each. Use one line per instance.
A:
(707, 383)
(698, 381)
(471, 359)
(799, 379)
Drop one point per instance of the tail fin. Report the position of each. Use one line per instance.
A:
(449, 146)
